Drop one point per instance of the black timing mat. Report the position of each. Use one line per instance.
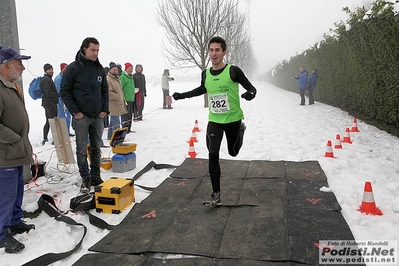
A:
(273, 213)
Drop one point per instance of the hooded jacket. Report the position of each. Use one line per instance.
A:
(15, 148)
(117, 104)
(127, 84)
(84, 87)
(139, 81)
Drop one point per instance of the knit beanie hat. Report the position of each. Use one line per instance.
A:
(47, 66)
(112, 65)
(128, 65)
(63, 66)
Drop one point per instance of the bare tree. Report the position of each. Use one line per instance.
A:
(189, 25)
(239, 51)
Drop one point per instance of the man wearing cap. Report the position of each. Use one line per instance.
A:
(15, 150)
(84, 90)
(117, 105)
(62, 110)
(50, 98)
(127, 83)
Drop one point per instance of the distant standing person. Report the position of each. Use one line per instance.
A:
(50, 98)
(119, 69)
(165, 88)
(15, 150)
(62, 110)
(312, 85)
(225, 114)
(127, 83)
(84, 90)
(117, 105)
(140, 84)
(302, 82)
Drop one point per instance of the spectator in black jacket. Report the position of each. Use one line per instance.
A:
(84, 90)
(139, 82)
(50, 98)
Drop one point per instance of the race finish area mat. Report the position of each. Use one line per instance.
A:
(273, 213)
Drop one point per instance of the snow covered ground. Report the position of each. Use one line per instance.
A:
(278, 128)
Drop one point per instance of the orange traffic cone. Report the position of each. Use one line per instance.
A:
(347, 138)
(191, 150)
(193, 136)
(329, 152)
(338, 144)
(354, 126)
(368, 204)
(196, 128)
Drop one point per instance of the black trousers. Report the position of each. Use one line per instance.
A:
(214, 136)
(51, 111)
(302, 94)
(311, 100)
(127, 118)
(138, 108)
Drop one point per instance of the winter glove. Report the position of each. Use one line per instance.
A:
(248, 95)
(178, 96)
(172, 79)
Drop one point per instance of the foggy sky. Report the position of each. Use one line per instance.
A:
(52, 31)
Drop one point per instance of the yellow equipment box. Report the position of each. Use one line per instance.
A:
(117, 139)
(105, 163)
(114, 195)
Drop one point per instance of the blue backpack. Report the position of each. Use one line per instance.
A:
(34, 89)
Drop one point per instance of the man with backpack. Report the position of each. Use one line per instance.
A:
(50, 98)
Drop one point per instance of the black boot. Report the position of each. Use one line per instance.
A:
(11, 244)
(21, 228)
(86, 183)
(95, 181)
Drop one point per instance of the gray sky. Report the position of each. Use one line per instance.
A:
(52, 30)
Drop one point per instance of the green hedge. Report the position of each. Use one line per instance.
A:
(358, 67)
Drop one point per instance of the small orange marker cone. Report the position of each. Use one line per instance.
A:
(347, 138)
(329, 152)
(191, 150)
(193, 136)
(196, 128)
(368, 204)
(338, 144)
(354, 126)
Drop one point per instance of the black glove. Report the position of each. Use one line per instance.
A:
(172, 79)
(248, 95)
(178, 96)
